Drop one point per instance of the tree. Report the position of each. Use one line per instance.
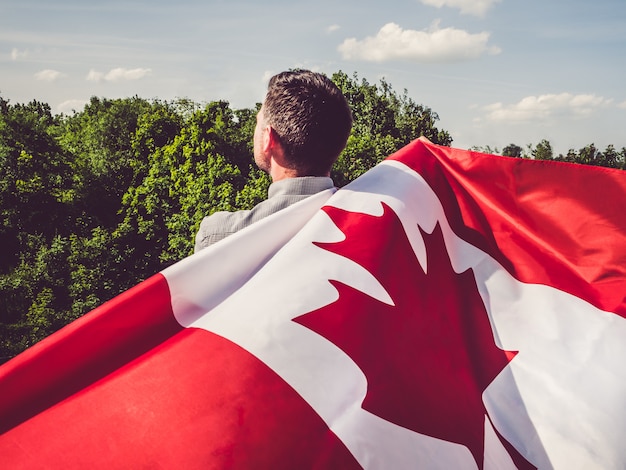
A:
(383, 122)
(33, 296)
(542, 151)
(513, 150)
(105, 160)
(197, 173)
(35, 177)
(485, 149)
(612, 158)
(590, 155)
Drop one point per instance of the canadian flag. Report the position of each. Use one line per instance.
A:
(447, 310)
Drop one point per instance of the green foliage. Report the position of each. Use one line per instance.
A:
(589, 155)
(29, 301)
(95, 202)
(513, 150)
(35, 176)
(110, 145)
(485, 149)
(188, 178)
(383, 122)
(543, 151)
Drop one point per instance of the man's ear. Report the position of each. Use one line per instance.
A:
(267, 138)
(272, 146)
(280, 167)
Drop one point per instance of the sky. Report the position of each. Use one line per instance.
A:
(496, 72)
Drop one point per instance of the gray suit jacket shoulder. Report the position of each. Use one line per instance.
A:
(281, 194)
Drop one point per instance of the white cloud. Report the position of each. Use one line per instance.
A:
(94, 76)
(622, 105)
(533, 108)
(17, 54)
(332, 28)
(49, 75)
(267, 75)
(72, 105)
(433, 45)
(118, 74)
(469, 7)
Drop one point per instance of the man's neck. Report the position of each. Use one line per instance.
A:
(278, 173)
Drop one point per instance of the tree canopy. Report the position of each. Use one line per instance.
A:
(588, 155)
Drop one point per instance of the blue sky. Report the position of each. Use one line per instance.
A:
(495, 71)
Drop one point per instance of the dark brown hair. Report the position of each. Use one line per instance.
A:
(311, 118)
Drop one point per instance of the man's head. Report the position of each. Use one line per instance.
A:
(309, 119)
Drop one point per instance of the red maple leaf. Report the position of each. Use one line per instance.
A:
(429, 357)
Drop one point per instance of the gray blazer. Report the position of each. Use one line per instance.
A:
(281, 194)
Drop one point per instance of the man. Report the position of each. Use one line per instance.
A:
(302, 127)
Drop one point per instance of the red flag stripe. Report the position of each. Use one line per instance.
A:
(86, 350)
(196, 401)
